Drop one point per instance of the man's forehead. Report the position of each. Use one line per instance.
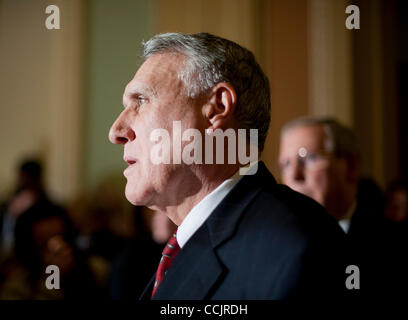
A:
(156, 70)
(160, 64)
(308, 136)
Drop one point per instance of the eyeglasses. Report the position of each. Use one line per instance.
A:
(309, 161)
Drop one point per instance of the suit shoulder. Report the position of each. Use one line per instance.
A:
(277, 207)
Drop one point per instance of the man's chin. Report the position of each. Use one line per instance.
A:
(135, 197)
(132, 197)
(301, 190)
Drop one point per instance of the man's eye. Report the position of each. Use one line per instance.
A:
(313, 157)
(141, 100)
(284, 165)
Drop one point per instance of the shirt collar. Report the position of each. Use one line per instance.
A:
(200, 212)
(345, 222)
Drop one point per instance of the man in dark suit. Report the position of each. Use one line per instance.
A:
(240, 235)
(319, 157)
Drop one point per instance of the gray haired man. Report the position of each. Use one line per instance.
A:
(238, 236)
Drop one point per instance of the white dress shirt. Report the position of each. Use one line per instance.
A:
(201, 211)
(345, 223)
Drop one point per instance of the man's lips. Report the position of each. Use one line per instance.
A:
(129, 161)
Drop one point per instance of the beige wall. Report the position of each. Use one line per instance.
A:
(375, 94)
(40, 92)
(285, 59)
(237, 20)
(330, 79)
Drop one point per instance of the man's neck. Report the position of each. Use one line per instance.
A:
(343, 210)
(209, 180)
(349, 213)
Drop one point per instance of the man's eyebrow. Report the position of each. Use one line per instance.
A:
(141, 90)
(138, 91)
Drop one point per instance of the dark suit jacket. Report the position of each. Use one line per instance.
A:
(263, 241)
(378, 247)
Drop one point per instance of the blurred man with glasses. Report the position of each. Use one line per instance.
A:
(319, 157)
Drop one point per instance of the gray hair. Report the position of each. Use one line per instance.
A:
(340, 139)
(211, 60)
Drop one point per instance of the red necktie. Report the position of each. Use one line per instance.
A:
(169, 252)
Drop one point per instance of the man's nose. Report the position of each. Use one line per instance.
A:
(121, 132)
(298, 171)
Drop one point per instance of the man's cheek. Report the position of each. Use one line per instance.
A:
(320, 179)
(315, 184)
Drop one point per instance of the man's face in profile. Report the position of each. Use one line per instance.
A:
(153, 99)
(309, 168)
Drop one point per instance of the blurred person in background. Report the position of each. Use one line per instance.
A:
(319, 157)
(114, 216)
(396, 237)
(133, 268)
(106, 223)
(44, 236)
(29, 191)
(397, 202)
(162, 227)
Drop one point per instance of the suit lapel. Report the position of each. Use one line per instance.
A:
(223, 221)
(193, 272)
(147, 292)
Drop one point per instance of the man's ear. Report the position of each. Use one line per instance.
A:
(221, 106)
